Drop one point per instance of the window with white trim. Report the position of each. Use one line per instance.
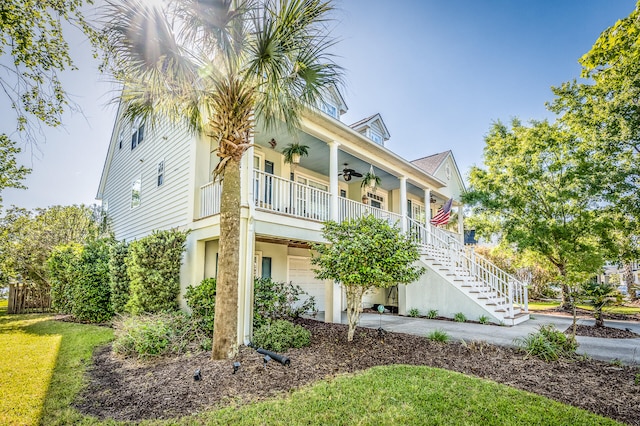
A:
(160, 172)
(137, 132)
(329, 109)
(376, 136)
(136, 186)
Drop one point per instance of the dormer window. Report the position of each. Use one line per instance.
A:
(137, 132)
(329, 109)
(376, 137)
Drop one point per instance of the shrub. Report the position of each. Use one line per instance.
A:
(483, 319)
(432, 314)
(414, 313)
(438, 336)
(277, 300)
(459, 317)
(202, 301)
(153, 266)
(92, 291)
(548, 344)
(119, 278)
(63, 268)
(153, 335)
(280, 335)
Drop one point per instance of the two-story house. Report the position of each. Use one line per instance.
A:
(160, 178)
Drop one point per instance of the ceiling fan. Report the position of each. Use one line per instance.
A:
(347, 173)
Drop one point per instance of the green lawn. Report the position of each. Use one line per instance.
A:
(623, 310)
(44, 361)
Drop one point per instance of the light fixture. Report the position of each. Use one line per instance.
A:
(197, 375)
(266, 359)
(347, 177)
(273, 143)
(236, 367)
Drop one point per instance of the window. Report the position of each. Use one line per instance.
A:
(376, 137)
(120, 139)
(343, 193)
(266, 267)
(160, 173)
(376, 200)
(135, 192)
(329, 109)
(137, 134)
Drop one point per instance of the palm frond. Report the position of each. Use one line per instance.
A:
(160, 78)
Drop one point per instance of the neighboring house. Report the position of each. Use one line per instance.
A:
(161, 178)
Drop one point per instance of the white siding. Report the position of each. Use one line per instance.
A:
(161, 207)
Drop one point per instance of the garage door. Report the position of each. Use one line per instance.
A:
(301, 273)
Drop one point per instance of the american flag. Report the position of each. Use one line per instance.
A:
(443, 214)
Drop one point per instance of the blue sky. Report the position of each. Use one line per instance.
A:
(439, 71)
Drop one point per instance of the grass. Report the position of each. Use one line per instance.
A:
(40, 384)
(405, 395)
(42, 366)
(621, 310)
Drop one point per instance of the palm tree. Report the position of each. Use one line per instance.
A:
(217, 65)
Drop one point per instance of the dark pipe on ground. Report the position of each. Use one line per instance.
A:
(280, 358)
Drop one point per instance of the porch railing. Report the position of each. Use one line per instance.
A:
(499, 284)
(349, 209)
(285, 196)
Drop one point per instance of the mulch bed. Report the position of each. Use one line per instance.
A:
(603, 332)
(128, 390)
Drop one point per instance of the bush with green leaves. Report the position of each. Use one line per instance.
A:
(153, 265)
(548, 344)
(413, 313)
(438, 336)
(432, 314)
(92, 291)
(277, 300)
(281, 335)
(63, 268)
(459, 317)
(119, 277)
(201, 299)
(483, 319)
(154, 335)
(598, 295)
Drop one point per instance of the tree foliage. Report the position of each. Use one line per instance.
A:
(216, 66)
(536, 189)
(11, 175)
(31, 236)
(603, 110)
(153, 265)
(363, 254)
(32, 34)
(63, 266)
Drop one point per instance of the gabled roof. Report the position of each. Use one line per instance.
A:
(367, 122)
(342, 105)
(431, 163)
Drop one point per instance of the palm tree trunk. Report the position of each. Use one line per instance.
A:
(225, 333)
(627, 274)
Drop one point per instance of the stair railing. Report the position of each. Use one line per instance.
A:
(465, 261)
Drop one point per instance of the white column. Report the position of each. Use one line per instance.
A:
(403, 202)
(461, 223)
(427, 206)
(333, 290)
(247, 246)
(333, 181)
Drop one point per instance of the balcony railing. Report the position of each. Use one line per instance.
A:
(273, 193)
(210, 195)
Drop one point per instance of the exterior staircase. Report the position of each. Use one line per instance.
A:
(501, 295)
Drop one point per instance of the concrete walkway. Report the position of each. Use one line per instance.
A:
(626, 351)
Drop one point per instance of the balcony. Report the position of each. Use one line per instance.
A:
(275, 194)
